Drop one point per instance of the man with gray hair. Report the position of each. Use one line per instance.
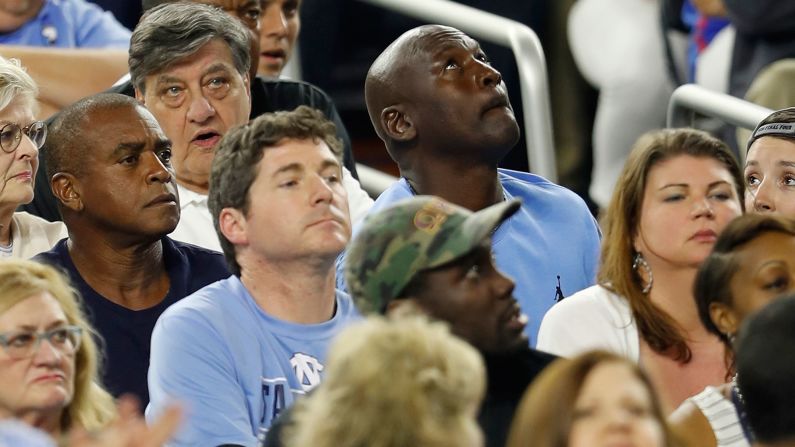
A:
(156, 51)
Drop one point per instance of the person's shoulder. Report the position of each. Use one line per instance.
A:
(213, 301)
(54, 256)
(346, 306)
(397, 191)
(534, 186)
(588, 307)
(23, 218)
(199, 258)
(289, 86)
(287, 94)
(690, 424)
(596, 298)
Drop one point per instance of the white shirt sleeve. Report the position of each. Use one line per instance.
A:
(590, 319)
(359, 202)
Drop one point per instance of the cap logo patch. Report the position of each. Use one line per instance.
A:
(430, 217)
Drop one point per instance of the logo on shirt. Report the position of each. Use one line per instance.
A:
(307, 370)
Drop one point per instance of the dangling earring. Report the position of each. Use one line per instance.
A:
(639, 262)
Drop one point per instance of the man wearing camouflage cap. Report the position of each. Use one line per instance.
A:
(430, 255)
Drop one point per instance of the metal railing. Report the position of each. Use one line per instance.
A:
(529, 60)
(691, 100)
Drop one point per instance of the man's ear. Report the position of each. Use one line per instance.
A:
(724, 318)
(139, 96)
(66, 188)
(233, 226)
(397, 124)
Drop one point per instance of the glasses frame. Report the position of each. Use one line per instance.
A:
(27, 130)
(76, 330)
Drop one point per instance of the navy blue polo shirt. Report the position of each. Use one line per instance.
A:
(126, 333)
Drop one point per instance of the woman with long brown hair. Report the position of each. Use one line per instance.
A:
(679, 188)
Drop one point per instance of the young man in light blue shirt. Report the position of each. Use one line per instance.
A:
(241, 350)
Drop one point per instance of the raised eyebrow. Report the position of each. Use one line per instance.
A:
(32, 328)
(329, 163)
(787, 163)
(292, 167)
(167, 79)
(163, 143)
(216, 68)
(717, 183)
(674, 185)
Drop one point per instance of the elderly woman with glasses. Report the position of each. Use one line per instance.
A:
(21, 235)
(48, 359)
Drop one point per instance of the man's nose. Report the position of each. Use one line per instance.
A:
(200, 109)
(488, 76)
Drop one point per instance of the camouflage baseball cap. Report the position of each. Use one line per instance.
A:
(412, 235)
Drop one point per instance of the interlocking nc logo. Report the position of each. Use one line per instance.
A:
(431, 217)
(307, 369)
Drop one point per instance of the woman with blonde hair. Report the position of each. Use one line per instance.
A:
(48, 358)
(593, 400)
(391, 383)
(22, 235)
(679, 188)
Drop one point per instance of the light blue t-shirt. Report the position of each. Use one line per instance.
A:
(70, 24)
(553, 234)
(14, 433)
(232, 365)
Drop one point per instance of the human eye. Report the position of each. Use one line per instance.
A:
(59, 336)
(637, 409)
(21, 340)
(473, 272)
(721, 195)
(253, 12)
(451, 64)
(481, 56)
(165, 155)
(752, 180)
(217, 82)
(673, 198)
(583, 412)
(10, 135)
(780, 282)
(788, 180)
(288, 184)
(172, 91)
(290, 8)
(129, 159)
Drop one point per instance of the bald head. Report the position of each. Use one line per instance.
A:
(385, 84)
(66, 147)
(434, 95)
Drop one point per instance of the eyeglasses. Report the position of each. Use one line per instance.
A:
(20, 345)
(11, 135)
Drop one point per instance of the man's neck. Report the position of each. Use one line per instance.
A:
(199, 187)
(295, 291)
(132, 275)
(471, 186)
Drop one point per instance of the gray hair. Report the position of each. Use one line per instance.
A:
(173, 31)
(14, 82)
